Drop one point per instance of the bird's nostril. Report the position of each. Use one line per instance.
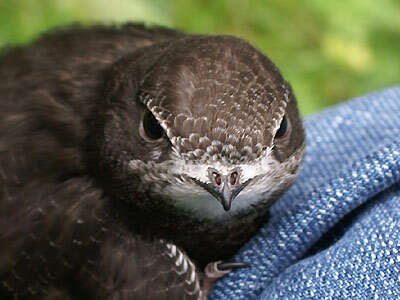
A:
(233, 179)
(217, 178)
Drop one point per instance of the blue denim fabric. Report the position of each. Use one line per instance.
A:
(336, 233)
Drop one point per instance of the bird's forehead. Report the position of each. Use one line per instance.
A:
(220, 106)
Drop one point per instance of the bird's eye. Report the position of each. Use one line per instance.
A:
(150, 129)
(282, 129)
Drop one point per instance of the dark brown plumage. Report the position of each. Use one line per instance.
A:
(98, 201)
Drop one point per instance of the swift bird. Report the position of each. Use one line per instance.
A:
(132, 157)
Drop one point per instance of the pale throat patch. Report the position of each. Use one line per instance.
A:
(191, 197)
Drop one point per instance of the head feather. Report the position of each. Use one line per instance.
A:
(221, 99)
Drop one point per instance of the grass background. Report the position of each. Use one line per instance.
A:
(329, 50)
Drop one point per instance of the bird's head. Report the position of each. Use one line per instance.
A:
(203, 124)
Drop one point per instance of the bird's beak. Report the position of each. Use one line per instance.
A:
(227, 197)
(225, 188)
(228, 194)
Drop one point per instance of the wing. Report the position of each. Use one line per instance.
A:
(57, 238)
(62, 242)
(132, 268)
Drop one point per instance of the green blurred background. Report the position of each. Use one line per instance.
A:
(329, 50)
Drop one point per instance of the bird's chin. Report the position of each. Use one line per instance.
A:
(207, 207)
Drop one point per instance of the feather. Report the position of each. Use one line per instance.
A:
(89, 209)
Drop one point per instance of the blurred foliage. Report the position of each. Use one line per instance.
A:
(329, 50)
